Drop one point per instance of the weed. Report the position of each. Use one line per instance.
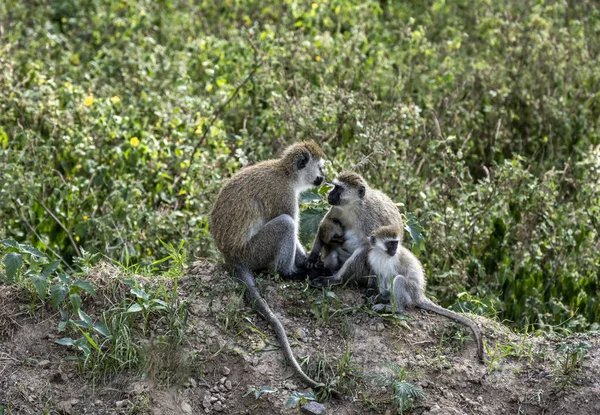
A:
(258, 392)
(404, 393)
(569, 362)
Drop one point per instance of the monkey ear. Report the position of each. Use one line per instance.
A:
(302, 160)
(361, 191)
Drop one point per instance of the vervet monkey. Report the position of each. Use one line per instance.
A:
(254, 222)
(360, 209)
(399, 270)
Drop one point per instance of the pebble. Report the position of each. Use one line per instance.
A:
(213, 399)
(318, 333)
(313, 408)
(228, 385)
(186, 408)
(218, 407)
(43, 363)
(380, 327)
(222, 380)
(226, 371)
(120, 404)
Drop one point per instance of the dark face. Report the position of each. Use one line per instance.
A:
(320, 177)
(391, 247)
(335, 195)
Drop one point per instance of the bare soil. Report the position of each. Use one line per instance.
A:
(228, 349)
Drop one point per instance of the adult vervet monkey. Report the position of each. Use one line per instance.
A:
(254, 222)
(360, 209)
(400, 279)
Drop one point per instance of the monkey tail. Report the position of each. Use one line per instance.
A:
(246, 278)
(430, 306)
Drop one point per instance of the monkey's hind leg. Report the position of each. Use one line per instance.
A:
(275, 244)
(356, 269)
(401, 297)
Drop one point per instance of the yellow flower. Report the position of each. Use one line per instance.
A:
(134, 141)
(315, 5)
(337, 10)
(67, 85)
(115, 100)
(89, 100)
(318, 58)
(545, 139)
(85, 217)
(77, 238)
(182, 192)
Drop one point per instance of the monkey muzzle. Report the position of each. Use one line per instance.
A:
(333, 198)
(318, 180)
(391, 247)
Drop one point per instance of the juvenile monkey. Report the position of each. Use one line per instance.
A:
(254, 222)
(331, 238)
(399, 270)
(360, 209)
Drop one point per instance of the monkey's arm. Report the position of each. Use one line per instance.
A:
(356, 268)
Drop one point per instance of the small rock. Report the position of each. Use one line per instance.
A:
(222, 388)
(43, 363)
(213, 399)
(318, 333)
(330, 332)
(418, 357)
(226, 371)
(222, 380)
(228, 385)
(98, 402)
(193, 382)
(299, 334)
(313, 408)
(120, 404)
(31, 398)
(380, 327)
(74, 401)
(186, 408)
(218, 407)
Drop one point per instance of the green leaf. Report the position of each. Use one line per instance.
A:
(102, 329)
(84, 316)
(292, 400)
(62, 326)
(139, 293)
(50, 268)
(65, 341)
(57, 294)
(41, 286)
(85, 286)
(310, 196)
(12, 262)
(31, 250)
(134, 308)
(416, 231)
(90, 340)
(11, 243)
(75, 300)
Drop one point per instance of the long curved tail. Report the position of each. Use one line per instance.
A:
(428, 305)
(245, 277)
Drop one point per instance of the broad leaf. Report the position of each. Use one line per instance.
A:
(85, 286)
(10, 242)
(41, 286)
(139, 293)
(134, 308)
(75, 300)
(12, 262)
(31, 250)
(85, 317)
(50, 268)
(65, 341)
(57, 294)
(102, 329)
(416, 231)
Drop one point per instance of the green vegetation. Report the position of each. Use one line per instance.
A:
(480, 118)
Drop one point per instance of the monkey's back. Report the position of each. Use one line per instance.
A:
(379, 210)
(252, 197)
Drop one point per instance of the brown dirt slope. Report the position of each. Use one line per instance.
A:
(228, 349)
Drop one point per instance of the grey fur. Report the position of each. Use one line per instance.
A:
(403, 273)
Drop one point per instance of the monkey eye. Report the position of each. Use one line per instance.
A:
(372, 240)
(336, 221)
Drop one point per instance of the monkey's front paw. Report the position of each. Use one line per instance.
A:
(312, 261)
(378, 307)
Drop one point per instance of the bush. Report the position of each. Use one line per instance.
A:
(480, 118)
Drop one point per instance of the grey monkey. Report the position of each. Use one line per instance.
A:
(254, 223)
(399, 271)
(360, 209)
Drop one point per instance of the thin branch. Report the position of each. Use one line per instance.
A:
(62, 226)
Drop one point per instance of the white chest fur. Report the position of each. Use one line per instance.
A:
(384, 266)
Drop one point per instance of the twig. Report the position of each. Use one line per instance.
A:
(62, 226)
(223, 106)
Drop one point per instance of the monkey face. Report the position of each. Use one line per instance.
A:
(310, 171)
(387, 245)
(391, 246)
(343, 194)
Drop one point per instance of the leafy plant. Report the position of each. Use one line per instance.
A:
(258, 392)
(323, 304)
(297, 399)
(404, 393)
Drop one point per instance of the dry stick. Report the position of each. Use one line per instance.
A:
(214, 118)
(62, 226)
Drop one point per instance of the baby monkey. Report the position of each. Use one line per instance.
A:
(399, 270)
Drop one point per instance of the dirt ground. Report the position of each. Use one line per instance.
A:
(228, 350)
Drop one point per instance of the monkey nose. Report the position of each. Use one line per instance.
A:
(318, 181)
